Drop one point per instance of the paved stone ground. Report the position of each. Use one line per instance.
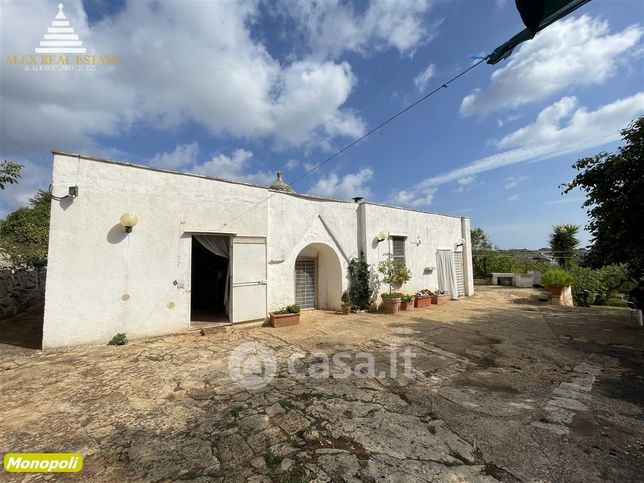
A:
(505, 388)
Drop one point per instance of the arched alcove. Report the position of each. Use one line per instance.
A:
(318, 277)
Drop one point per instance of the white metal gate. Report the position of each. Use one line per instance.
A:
(248, 277)
(305, 283)
(460, 280)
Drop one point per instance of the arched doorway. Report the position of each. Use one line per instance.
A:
(318, 278)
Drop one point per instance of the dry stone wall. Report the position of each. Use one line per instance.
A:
(21, 288)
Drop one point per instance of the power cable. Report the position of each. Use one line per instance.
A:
(368, 133)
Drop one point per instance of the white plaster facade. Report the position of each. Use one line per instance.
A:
(102, 280)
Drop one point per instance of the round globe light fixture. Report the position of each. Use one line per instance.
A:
(129, 221)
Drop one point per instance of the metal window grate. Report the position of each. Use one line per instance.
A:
(460, 280)
(305, 283)
(398, 248)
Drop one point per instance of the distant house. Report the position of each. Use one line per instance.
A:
(207, 249)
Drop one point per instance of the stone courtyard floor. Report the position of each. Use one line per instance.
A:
(505, 387)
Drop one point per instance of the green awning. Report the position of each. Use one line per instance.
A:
(553, 10)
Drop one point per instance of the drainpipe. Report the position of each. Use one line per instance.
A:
(362, 228)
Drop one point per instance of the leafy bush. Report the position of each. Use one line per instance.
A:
(424, 293)
(555, 277)
(118, 339)
(395, 272)
(407, 298)
(289, 309)
(345, 298)
(393, 295)
(597, 286)
(24, 234)
(360, 288)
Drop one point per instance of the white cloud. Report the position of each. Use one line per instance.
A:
(513, 198)
(565, 200)
(194, 61)
(549, 136)
(291, 164)
(412, 198)
(184, 155)
(513, 181)
(571, 52)
(421, 80)
(331, 27)
(345, 187)
(235, 167)
(466, 180)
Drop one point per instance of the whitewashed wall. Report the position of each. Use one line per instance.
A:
(297, 221)
(102, 281)
(426, 233)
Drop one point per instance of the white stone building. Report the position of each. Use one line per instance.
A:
(268, 248)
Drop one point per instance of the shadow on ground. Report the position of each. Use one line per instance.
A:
(23, 330)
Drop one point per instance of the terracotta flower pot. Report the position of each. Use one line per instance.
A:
(284, 320)
(346, 309)
(440, 299)
(391, 306)
(555, 290)
(404, 305)
(422, 302)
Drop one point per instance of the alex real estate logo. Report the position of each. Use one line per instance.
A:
(60, 49)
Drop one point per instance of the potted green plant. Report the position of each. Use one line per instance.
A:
(406, 302)
(395, 272)
(289, 315)
(440, 297)
(556, 280)
(391, 302)
(346, 303)
(423, 298)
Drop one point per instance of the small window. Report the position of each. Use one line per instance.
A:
(398, 248)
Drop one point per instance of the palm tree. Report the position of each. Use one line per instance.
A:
(563, 242)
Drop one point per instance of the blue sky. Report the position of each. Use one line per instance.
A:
(243, 89)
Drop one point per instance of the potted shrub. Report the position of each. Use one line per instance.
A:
(346, 303)
(391, 302)
(423, 298)
(395, 272)
(440, 297)
(406, 302)
(289, 315)
(556, 280)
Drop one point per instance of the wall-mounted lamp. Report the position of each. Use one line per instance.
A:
(460, 243)
(129, 221)
(418, 242)
(72, 192)
(382, 236)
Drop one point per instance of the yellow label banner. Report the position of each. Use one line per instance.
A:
(43, 462)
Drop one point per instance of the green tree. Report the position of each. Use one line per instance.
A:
(563, 242)
(614, 187)
(480, 240)
(9, 173)
(360, 291)
(24, 234)
(394, 272)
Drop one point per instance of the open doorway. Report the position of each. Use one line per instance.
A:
(209, 280)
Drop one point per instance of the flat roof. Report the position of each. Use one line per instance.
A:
(194, 175)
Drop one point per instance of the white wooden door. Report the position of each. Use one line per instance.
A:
(248, 279)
